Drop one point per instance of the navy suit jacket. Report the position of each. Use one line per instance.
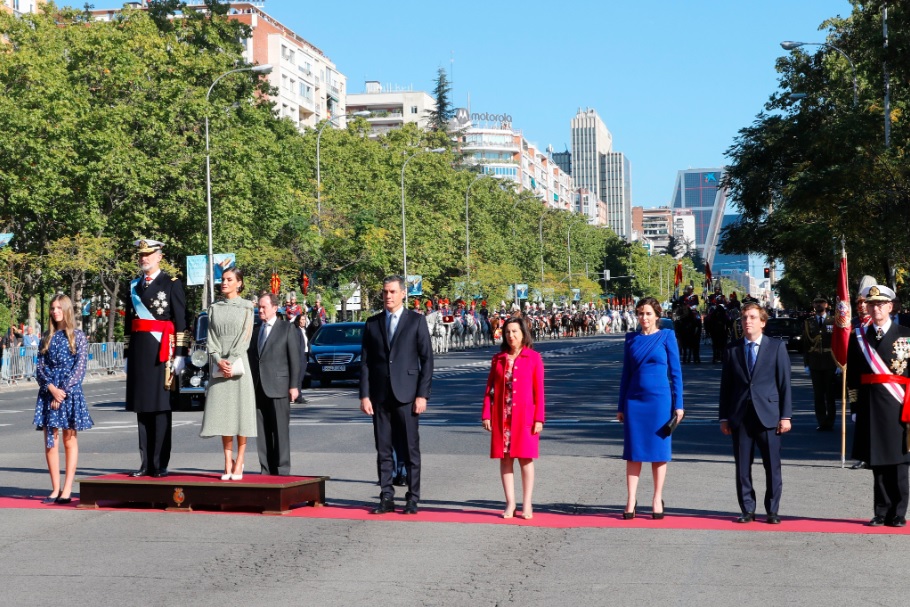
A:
(766, 389)
(406, 365)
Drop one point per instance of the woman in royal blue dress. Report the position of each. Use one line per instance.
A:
(62, 357)
(650, 394)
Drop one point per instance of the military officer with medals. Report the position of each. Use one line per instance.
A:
(877, 369)
(156, 341)
(817, 331)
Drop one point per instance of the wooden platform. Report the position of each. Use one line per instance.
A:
(182, 492)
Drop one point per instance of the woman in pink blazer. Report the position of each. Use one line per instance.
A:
(513, 411)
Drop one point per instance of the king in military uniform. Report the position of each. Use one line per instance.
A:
(877, 367)
(156, 340)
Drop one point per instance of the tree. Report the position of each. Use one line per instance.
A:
(440, 116)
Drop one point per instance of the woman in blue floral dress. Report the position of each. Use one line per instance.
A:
(61, 405)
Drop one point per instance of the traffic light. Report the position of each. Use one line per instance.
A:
(767, 272)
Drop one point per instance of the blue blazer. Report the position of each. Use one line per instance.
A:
(405, 366)
(766, 389)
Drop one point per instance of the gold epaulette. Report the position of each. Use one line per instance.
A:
(183, 339)
(173, 278)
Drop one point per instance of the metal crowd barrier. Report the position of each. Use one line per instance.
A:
(19, 363)
(105, 358)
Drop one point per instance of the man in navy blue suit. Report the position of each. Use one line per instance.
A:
(396, 374)
(755, 408)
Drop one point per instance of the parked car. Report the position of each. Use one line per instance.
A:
(788, 330)
(194, 378)
(334, 353)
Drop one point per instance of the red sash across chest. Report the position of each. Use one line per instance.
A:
(165, 327)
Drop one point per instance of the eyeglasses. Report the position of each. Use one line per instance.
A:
(877, 303)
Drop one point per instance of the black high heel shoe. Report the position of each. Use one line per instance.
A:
(628, 516)
(658, 516)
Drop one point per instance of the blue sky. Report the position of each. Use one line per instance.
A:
(674, 80)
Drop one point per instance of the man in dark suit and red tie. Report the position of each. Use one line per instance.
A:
(756, 408)
(395, 380)
(877, 368)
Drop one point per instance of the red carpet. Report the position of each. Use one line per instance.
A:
(541, 519)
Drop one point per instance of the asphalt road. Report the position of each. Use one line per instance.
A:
(156, 558)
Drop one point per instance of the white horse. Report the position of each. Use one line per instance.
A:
(439, 332)
(472, 331)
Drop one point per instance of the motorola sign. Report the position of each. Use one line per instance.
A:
(491, 117)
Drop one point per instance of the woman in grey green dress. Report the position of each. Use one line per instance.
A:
(230, 402)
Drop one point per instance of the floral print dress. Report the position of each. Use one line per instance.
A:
(63, 369)
(507, 414)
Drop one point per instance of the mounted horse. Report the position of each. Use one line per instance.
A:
(717, 326)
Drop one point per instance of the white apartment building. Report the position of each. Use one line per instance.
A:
(505, 153)
(310, 87)
(20, 7)
(684, 228)
(391, 107)
(616, 192)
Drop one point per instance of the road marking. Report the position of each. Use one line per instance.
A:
(11, 411)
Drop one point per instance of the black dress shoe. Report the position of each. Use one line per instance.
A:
(385, 506)
(773, 519)
(400, 480)
(877, 521)
(897, 521)
(746, 517)
(859, 465)
(160, 473)
(63, 500)
(139, 472)
(825, 429)
(410, 507)
(50, 500)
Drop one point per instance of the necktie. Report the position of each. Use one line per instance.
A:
(148, 280)
(879, 333)
(821, 321)
(263, 335)
(750, 359)
(393, 324)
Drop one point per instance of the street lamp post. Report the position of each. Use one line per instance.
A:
(569, 251)
(318, 165)
(467, 233)
(789, 45)
(540, 229)
(404, 233)
(256, 69)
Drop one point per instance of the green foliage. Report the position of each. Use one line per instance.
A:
(808, 173)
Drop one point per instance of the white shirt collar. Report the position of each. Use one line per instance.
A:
(884, 327)
(396, 313)
(757, 342)
(271, 323)
(153, 276)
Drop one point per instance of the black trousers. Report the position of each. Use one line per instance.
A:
(824, 388)
(746, 437)
(273, 434)
(891, 490)
(154, 440)
(395, 422)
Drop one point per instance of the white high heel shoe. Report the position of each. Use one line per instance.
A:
(238, 477)
(227, 475)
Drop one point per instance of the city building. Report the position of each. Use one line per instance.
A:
(391, 107)
(20, 7)
(598, 168)
(490, 141)
(656, 226)
(310, 88)
(700, 191)
(723, 262)
(564, 160)
(616, 192)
